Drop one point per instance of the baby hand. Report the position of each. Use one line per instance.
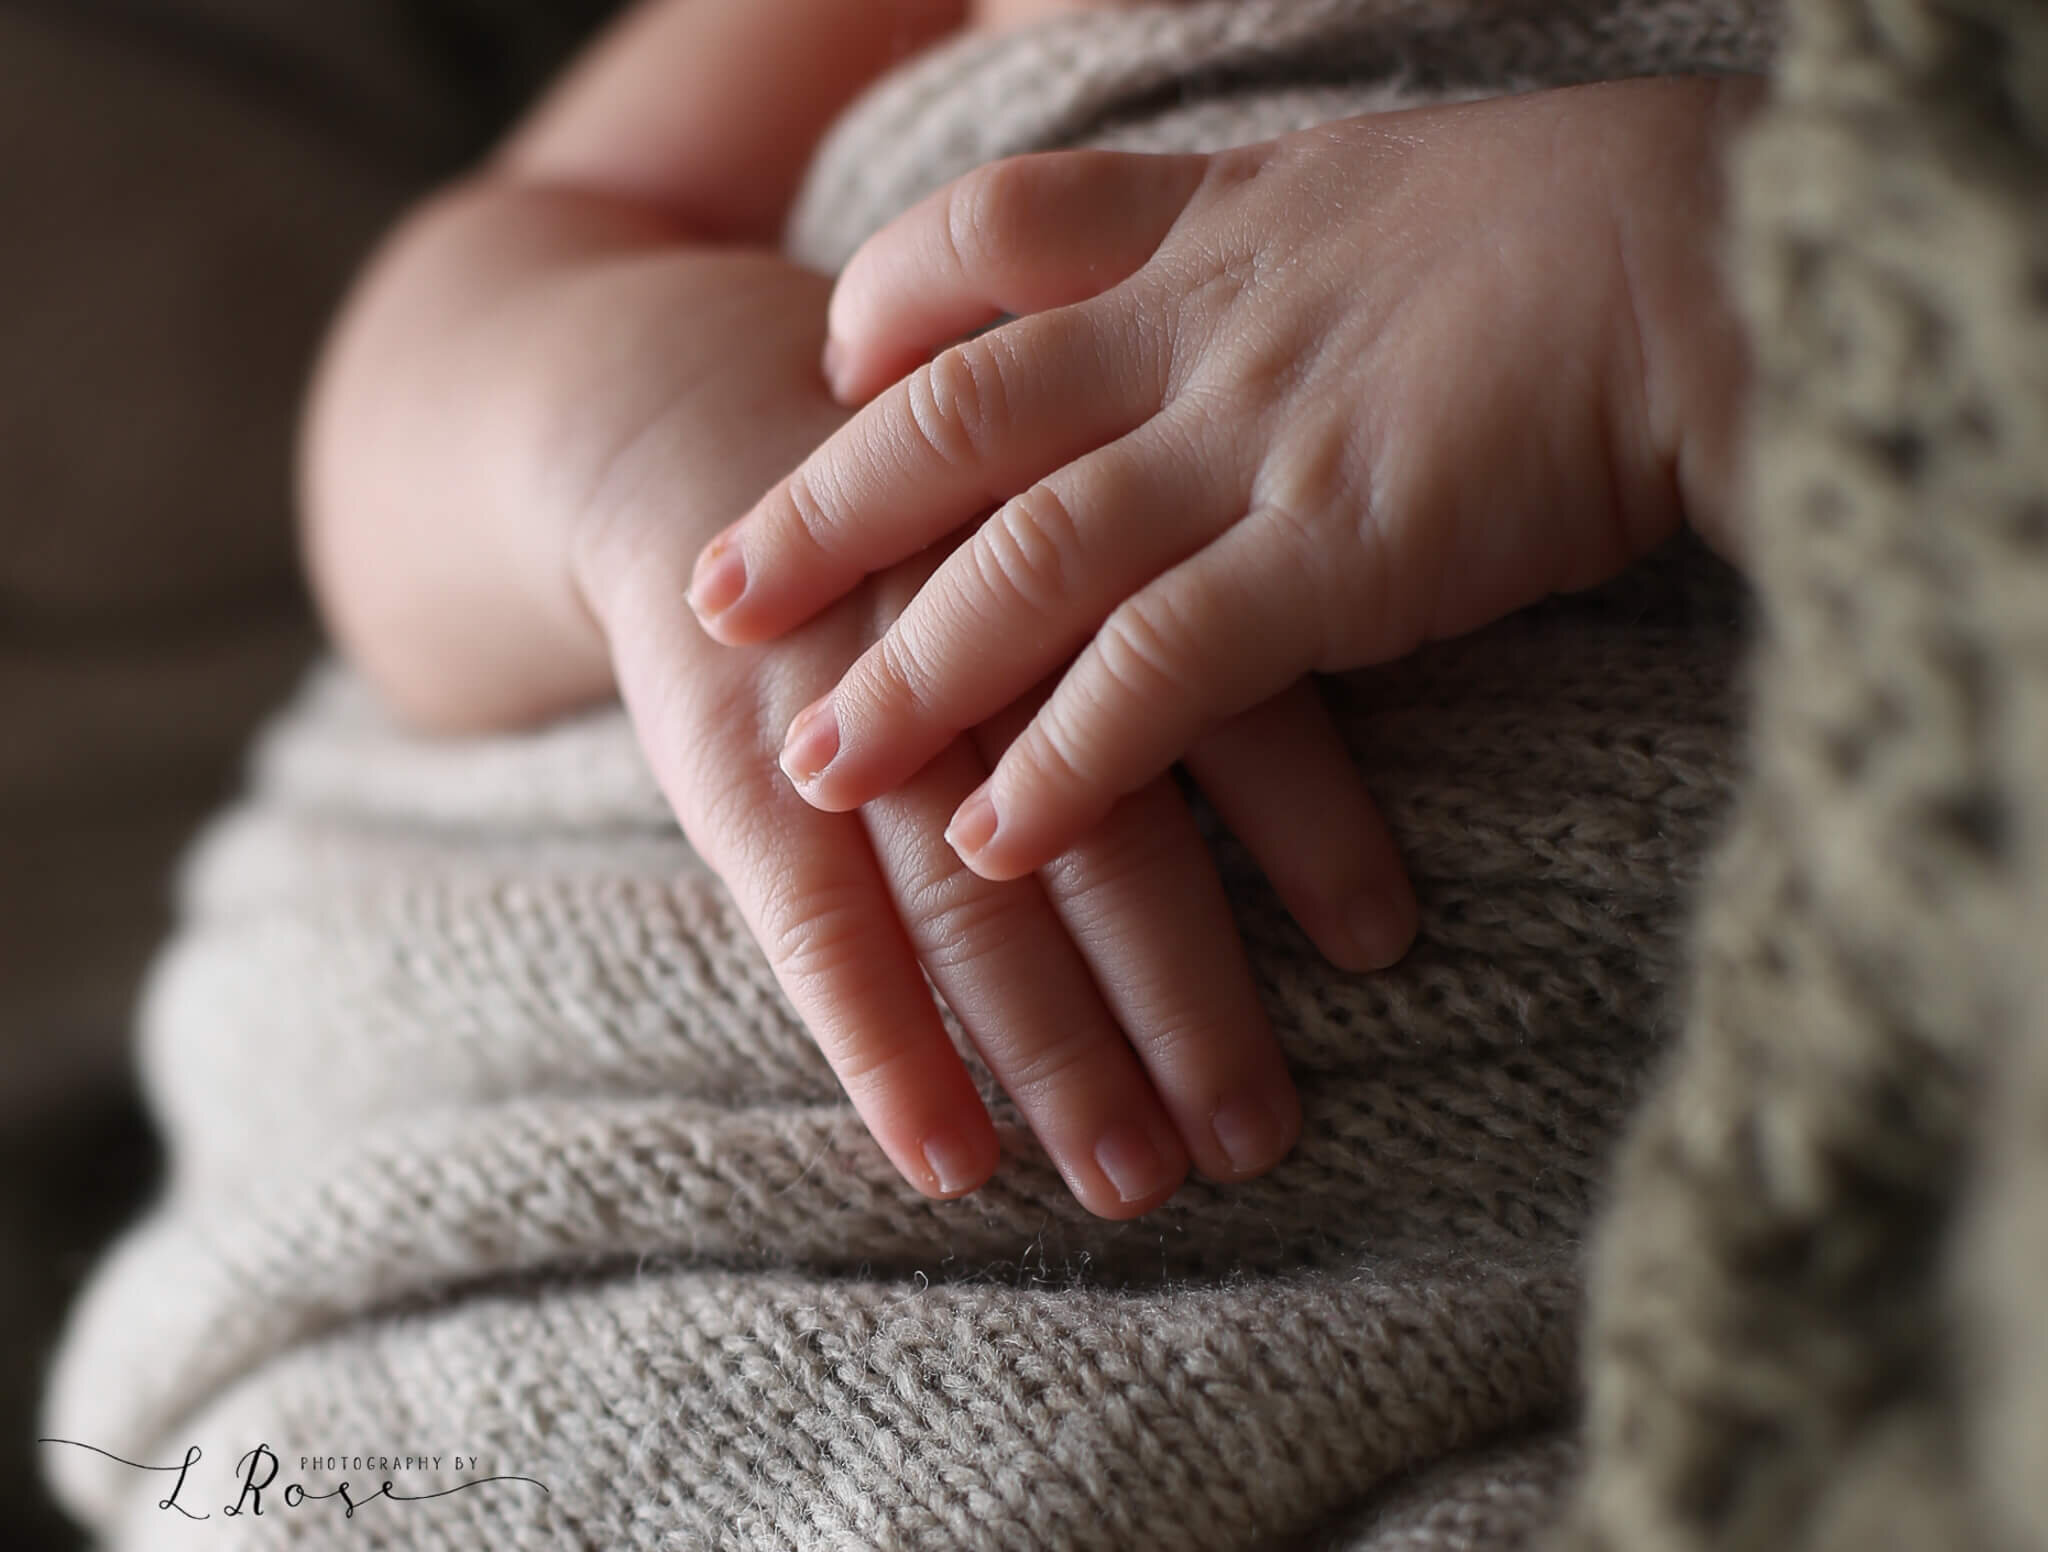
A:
(1109, 995)
(1297, 407)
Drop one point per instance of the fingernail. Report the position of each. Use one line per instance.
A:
(720, 578)
(835, 367)
(813, 742)
(1380, 933)
(1132, 1163)
(974, 824)
(954, 1162)
(1251, 1132)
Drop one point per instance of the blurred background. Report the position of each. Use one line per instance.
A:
(185, 188)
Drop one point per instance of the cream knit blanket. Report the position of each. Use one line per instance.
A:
(496, 1152)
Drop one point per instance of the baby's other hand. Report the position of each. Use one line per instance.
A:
(1297, 407)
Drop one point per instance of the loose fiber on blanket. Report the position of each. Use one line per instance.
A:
(491, 1134)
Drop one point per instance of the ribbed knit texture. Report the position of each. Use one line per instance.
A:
(491, 1133)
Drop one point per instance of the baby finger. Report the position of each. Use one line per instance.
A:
(1007, 967)
(934, 453)
(1005, 609)
(1142, 899)
(1283, 781)
(1217, 634)
(1016, 236)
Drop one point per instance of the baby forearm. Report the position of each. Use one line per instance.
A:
(439, 456)
(710, 109)
(504, 342)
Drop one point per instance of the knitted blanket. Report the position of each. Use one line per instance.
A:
(1819, 1316)
(496, 1152)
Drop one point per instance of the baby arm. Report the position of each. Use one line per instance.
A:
(1297, 407)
